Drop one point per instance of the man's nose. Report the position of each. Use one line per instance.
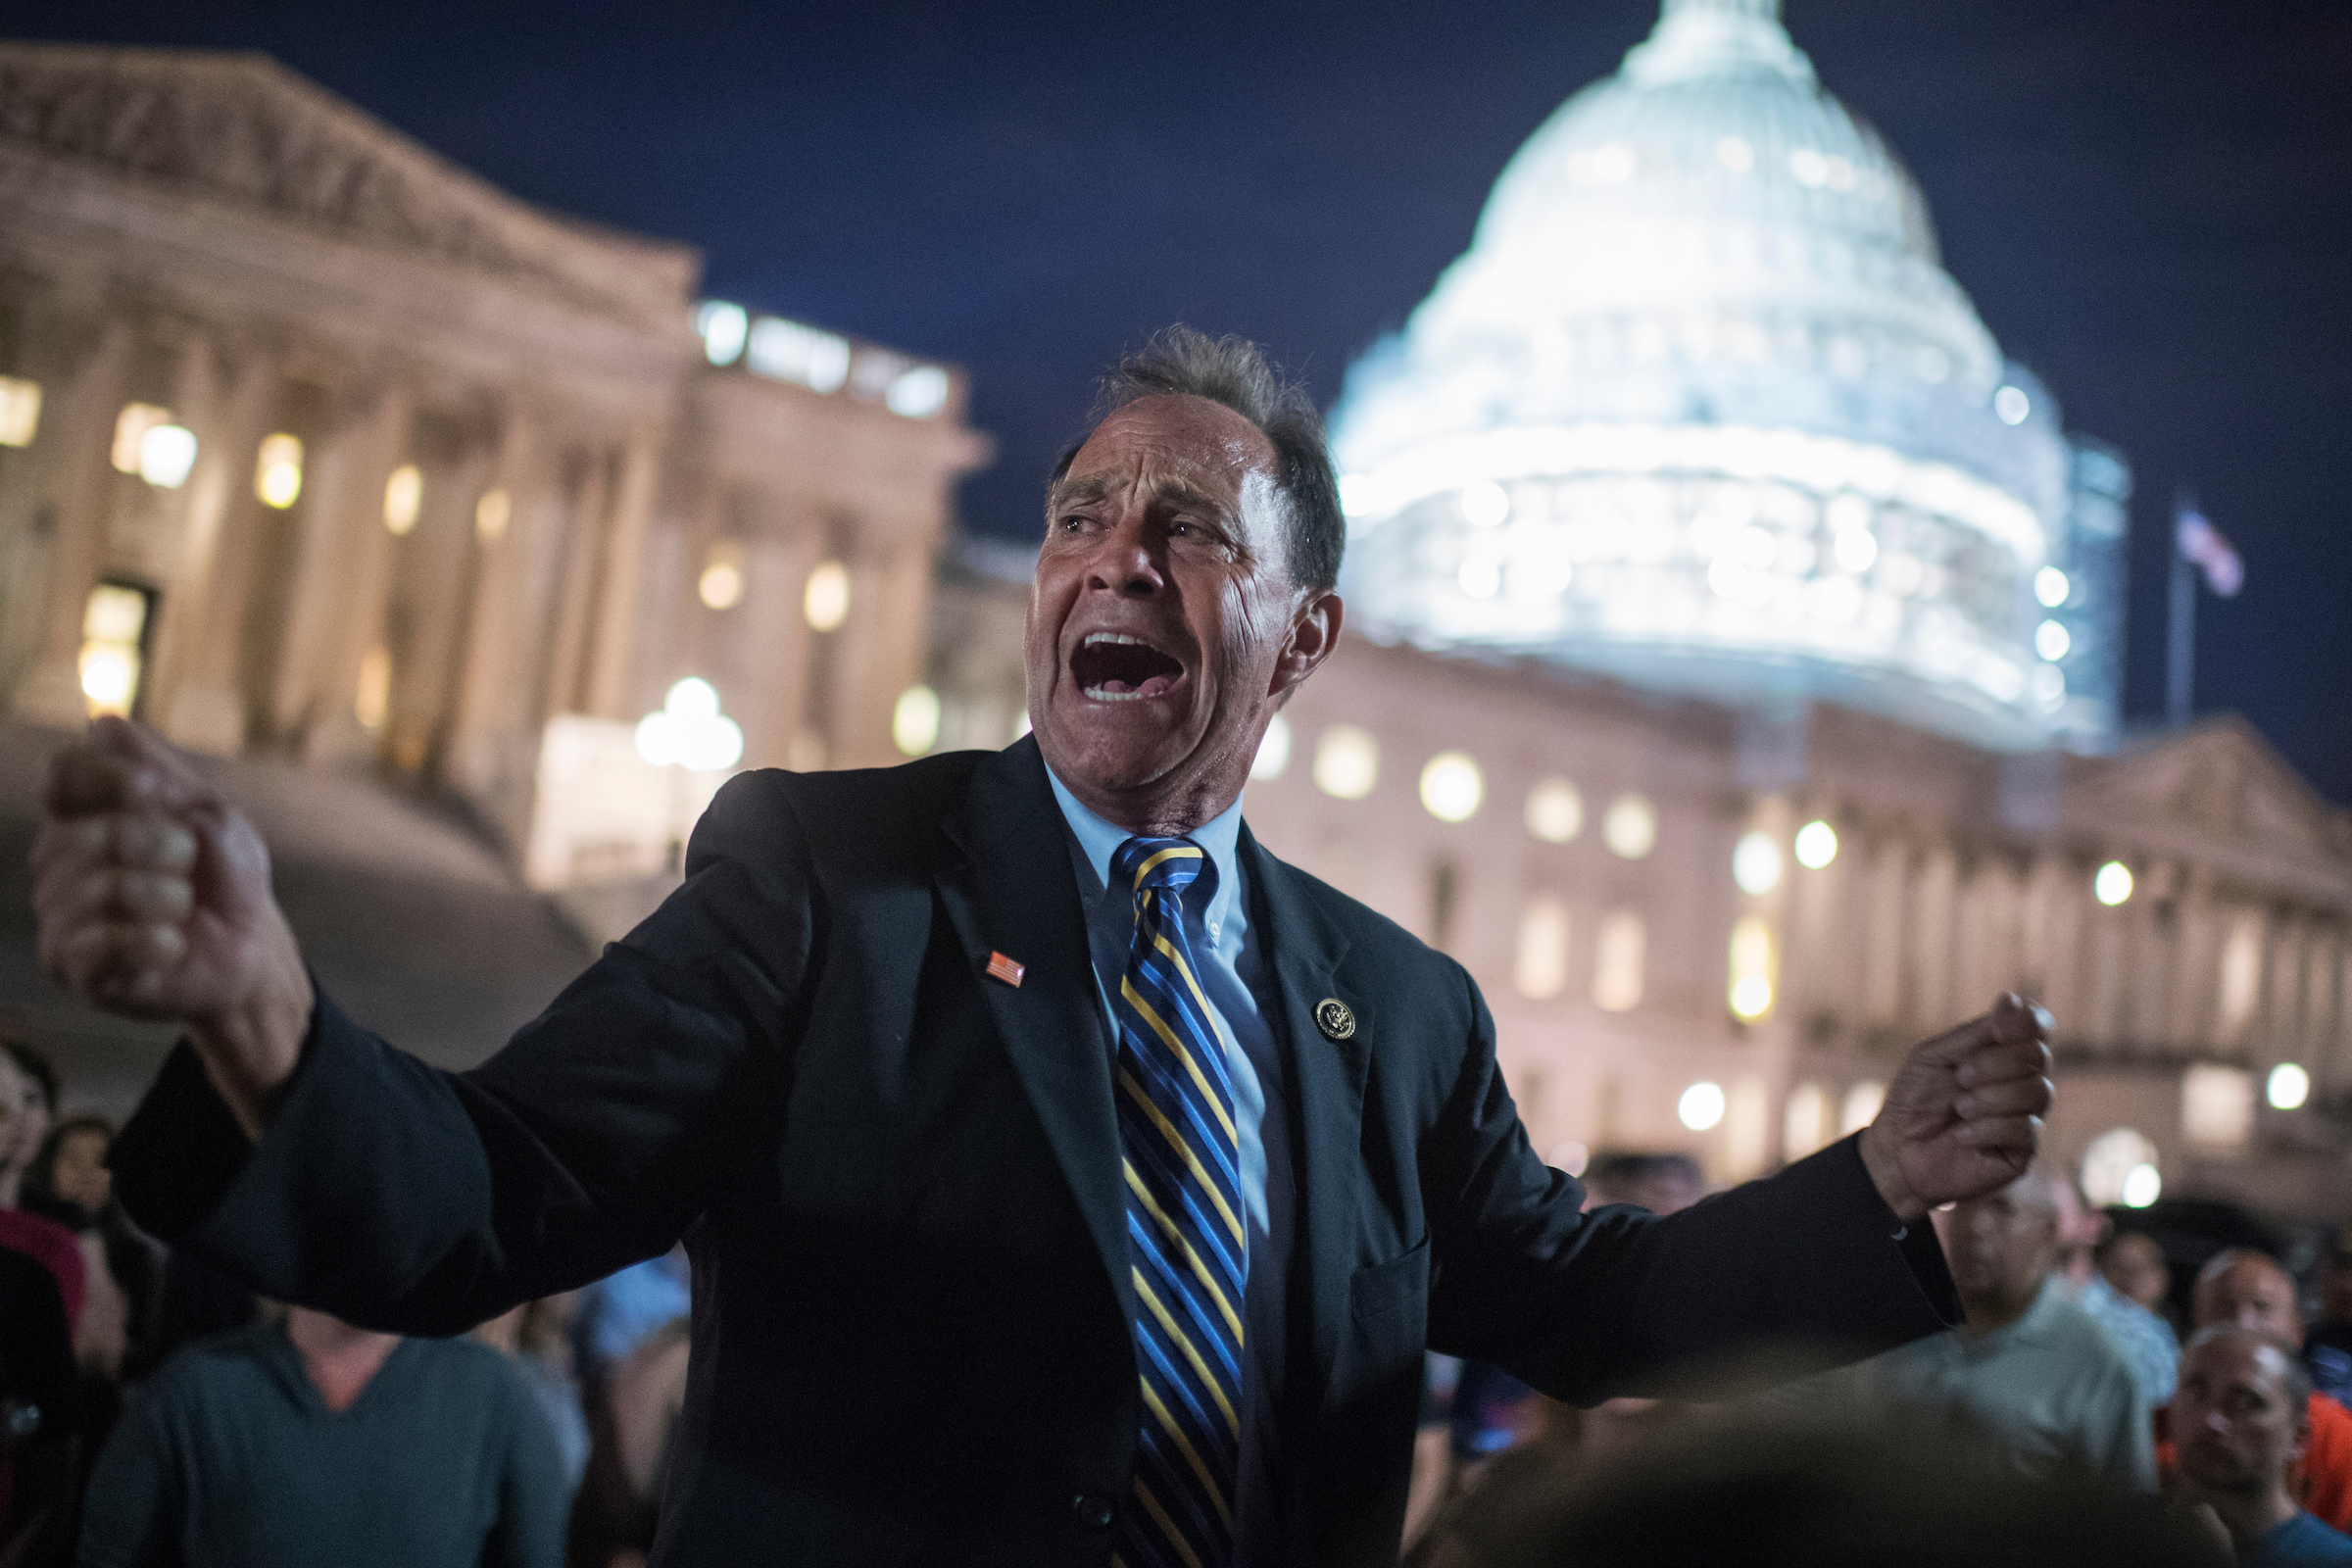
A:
(1123, 561)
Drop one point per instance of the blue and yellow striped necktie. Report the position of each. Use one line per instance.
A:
(1189, 1243)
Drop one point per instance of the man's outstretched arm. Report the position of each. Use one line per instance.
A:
(291, 1147)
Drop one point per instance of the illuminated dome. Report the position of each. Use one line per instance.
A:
(1700, 407)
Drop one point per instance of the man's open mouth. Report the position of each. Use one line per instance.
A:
(1112, 668)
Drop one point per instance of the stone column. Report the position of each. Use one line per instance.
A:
(199, 641)
(342, 575)
(78, 426)
(580, 545)
(605, 687)
(881, 652)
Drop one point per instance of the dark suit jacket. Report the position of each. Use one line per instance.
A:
(899, 1180)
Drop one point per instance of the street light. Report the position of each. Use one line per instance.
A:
(689, 732)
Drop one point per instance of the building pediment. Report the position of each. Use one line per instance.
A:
(2224, 781)
(243, 130)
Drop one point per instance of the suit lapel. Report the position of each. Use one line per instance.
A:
(1015, 895)
(1305, 946)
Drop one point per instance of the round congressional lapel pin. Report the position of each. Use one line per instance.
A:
(1335, 1018)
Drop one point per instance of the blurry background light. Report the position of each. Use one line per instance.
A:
(1631, 827)
(1540, 965)
(372, 696)
(1452, 787)
(2051, 640)
(1861, 1106)
(1480, 576)
(722, 329)
(1855, 550)
(787, 350)
(1754, 967)
(2012, 405)
(403, 498)
(915, 720)
(918, 393)
(277, 471)
(2113, 883)
(2052, 586)
(1816, 845)
(1620, 950)
(2109, 1162)
(19, 410)
(1756, 862)
(1555, 811)
(1273, 750)
(2290, 1086)
(1347, 763)
(2142, 1186)
(689, 732)
(1486, 504)
(167, 451)
(1570, 1156)
(491, 514)
(826, 599)
(131, 425)
(720, 585)
(1701, 1105)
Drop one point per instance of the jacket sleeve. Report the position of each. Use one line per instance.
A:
(1801, 1270)
(406, 1199)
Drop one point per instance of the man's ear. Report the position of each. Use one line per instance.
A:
(1314, 633)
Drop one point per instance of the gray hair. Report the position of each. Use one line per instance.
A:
(2229, 1257)
(2294, 1378)
(1235, 372)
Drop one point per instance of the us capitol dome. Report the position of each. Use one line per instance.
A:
(1701, 410)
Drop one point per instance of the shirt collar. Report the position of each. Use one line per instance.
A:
(1219, 839)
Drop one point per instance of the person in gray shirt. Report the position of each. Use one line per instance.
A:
(311, 1441)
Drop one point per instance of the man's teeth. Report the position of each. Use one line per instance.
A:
(1094, 637)
(1104, 694)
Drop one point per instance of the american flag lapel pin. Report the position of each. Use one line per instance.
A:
(999, 968)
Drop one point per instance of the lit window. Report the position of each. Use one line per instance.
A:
(2051, 587)
(277, 471)
(1452, 787)
(1701, 1105)
(722, 329)
(167, 451)
(1756, 862)
(721, 584)
(1805, 1123)
(918, 393)
(372, 703)
(915, 720)
(2109, 1160)
(1273, 750)
(491, 514)
(1861, 1108)
(2217, 1105)
(2113, 884)
(1555, 811)
(1347, 763)
(2241, 978)
(1631, 827)
(19, 410)
(130, 429)
(114, 618)
(826, 602)
(1816, 845)
(1753, 968)
(2012, 405)
(404, 499)
(1542, 967)
(2051, 641)
(1617, 959)
(791, 352)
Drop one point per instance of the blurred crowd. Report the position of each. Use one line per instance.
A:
(152, 1411)
(2112, 1396)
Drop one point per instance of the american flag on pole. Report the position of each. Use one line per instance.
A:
(2202, 546)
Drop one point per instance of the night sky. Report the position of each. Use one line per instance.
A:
(2150, 204)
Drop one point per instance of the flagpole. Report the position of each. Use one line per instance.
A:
(2180, 626)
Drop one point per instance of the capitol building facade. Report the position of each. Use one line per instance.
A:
(1735, 633)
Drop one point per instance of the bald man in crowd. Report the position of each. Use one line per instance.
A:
(2254, 1292)
(2242, 1421)
(2028, 1371)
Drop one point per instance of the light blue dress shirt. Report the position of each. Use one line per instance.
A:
(1241, 995)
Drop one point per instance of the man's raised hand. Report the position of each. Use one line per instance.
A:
(153, 899)
(1963, 1116)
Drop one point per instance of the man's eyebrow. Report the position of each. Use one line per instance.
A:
(1165, 493)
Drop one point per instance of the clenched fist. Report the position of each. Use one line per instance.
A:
(1963, 1117)
(153, 900)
